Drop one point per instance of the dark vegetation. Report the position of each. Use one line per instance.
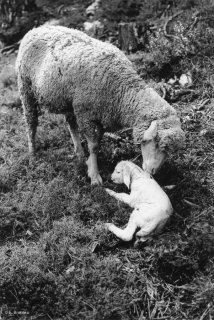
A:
(56, 259)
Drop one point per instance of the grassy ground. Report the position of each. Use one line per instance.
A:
(56, 259)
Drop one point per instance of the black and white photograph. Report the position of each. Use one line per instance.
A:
(106, 160)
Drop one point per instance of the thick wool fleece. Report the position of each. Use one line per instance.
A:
(72, 73)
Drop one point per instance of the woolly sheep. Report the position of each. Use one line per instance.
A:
(95, 86)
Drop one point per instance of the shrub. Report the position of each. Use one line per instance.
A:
(8, 76)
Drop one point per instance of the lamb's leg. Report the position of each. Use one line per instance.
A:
(93, 133)
(146, 231)
(30, 108)
(124, 197)
(124, 234)
(73, 129)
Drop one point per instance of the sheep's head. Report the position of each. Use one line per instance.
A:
(153, 156)
(161, 138)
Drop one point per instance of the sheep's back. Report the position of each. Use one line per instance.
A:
(65, 66)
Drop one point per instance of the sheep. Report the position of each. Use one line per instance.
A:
(152, 207)
(97, 89)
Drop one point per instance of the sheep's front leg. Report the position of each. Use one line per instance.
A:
(124, 197)
(93, 171)
(74, 132)
(93, 133)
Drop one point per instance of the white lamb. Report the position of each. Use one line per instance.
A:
(152, 207)
(95, 86)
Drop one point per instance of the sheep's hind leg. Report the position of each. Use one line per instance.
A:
(93, 136)
(74, 132)
(146, 232)
(124, 234)
(30, 108)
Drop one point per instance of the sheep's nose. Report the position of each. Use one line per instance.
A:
(153, 171)
(148, 169)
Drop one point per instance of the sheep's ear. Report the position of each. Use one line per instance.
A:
(126, 176)
(151, 132)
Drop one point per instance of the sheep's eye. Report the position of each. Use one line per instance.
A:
(118, 171)
(144, 142)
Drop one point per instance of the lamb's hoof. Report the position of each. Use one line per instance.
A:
(108, 226)
(96, 180)
(140, 242)
(109, 191)
(137, 244)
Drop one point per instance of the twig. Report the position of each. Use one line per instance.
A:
(203, 103)
(183, 91)
(205, 312)
(178, 215)
(164, 91)
(167, 35)
(11, 47)
(170, 187)
(163, 318)
(59, 9)
(112, 136)
(195, 17)
(201, 162)
(125, 130)
(191, 203)
(137, 157)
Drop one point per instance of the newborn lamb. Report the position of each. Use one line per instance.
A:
(152, 207)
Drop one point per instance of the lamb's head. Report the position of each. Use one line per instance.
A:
(121, 173)
(163, 137)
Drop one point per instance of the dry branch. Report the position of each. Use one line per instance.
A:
(9, 49)
(195, 17)
(128, 40)
(112, 136)
(167, 35)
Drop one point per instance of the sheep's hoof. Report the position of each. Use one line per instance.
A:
(96, 180)
(32, 153)
(32, 149)
(76, 157)
(32, 158)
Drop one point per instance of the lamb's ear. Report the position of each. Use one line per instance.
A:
(151, 132)
(126, 176)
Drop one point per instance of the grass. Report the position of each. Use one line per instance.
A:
(56, 259)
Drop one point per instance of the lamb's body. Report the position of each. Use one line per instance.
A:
(152, 207)
(91, 82)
